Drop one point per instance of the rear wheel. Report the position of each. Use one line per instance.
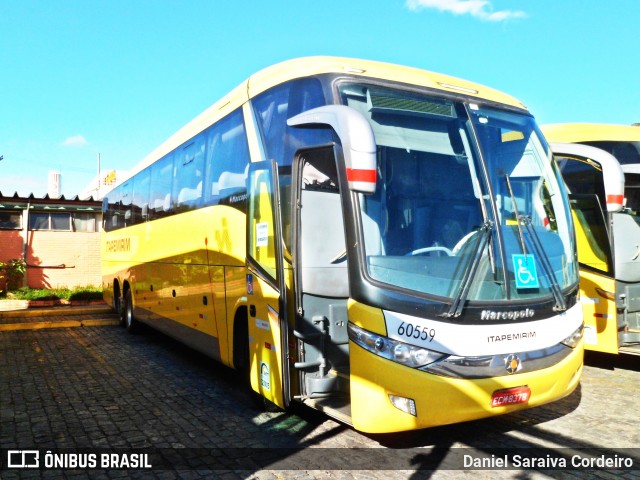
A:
(117, 306)
(130, 323)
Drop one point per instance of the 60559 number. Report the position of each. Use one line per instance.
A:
(416, 331)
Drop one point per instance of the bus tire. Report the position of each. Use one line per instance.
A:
(117, 306)
(130, 322)
(117, 303)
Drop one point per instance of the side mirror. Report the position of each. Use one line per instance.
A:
(612, 173)
(358, 141)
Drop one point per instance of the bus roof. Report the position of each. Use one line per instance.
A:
(590, 132)
(307, 66)
(302, 67)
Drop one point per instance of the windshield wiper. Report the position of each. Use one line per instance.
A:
(521, 220)
(484, 234)
(523, 245)
(561, 304)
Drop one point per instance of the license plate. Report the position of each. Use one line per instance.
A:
(510, 396)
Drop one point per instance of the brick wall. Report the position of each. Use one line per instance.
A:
(63, 259)
(10, 248)
(55, 259)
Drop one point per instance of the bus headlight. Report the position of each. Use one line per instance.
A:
(394, 350)
(573, 339)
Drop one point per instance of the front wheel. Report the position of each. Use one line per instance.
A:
(130, 323)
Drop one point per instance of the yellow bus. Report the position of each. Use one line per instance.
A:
(391, 246)
(601, 167)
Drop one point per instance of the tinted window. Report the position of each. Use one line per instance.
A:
(209, 169)
(627, 153)
(281, 142)
(582, 176)
(280, 103)
(632, 191)
(140, 201)
(160, 204)
(189, 174)
(227, 161)
(119, 207)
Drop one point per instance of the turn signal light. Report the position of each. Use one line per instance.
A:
(407, 405)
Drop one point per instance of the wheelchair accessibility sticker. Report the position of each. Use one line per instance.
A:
(524, 268)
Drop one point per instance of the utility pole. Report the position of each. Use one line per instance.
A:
(99, 180)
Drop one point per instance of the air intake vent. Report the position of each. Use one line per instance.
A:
(386, 103)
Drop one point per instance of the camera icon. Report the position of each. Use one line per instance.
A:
(23, 459)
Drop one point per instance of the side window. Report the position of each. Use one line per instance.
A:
(10, 220)
(84, 222)
(52, 221)
(160, 204)
(140, 202)
(189, 174)
(119, 207)
(275, 106)
(123, 210)
(583, 177)
(107, 211)
(227, 162)
(281, 141)
(38, 221)
(61, 222)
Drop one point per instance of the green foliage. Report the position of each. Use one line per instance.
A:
(80, 293)
(13, 271)
(86, 293)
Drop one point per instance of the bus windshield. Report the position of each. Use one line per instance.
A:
(467, 199)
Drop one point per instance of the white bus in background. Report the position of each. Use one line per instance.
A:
(601, 167)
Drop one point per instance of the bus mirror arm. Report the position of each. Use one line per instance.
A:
(356, 136)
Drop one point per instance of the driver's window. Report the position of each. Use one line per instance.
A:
(322, 246)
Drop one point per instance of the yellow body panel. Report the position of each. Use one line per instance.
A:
(600, 316)
(369, 318)
(441, 400)
(599, 312)
(265, 345)
(191, 278)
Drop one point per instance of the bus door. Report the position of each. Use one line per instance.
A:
(321, 282)
(597, 280)
(268, 342)
(320, 254)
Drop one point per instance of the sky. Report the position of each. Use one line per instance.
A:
(115, 78)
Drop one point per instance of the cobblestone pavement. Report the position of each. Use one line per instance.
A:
(71, 389)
